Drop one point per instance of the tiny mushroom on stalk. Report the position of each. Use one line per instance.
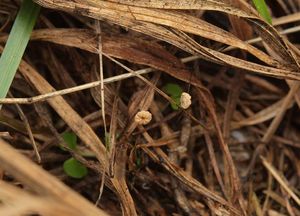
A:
(143, 117)
(185, 100)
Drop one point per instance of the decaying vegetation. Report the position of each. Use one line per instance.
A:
(233, 151)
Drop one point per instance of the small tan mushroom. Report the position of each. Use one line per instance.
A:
(143, 117)
(185, 100)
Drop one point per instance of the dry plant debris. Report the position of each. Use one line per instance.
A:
(232, 148)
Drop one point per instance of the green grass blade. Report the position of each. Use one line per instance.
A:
(16, 44)
(262, 9)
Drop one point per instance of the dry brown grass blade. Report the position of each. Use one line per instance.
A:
(138, 18)
(248, 13)
(232, 102)
(281, 180)
(180, 21)
(244, 32)
(113, 136)
(138, 51)
(118, 180)
(117, 155)
(287, 19)
(275, 41)
(182, 176)
(174, 156)
(141, 19)
(261, 116)
(28, 129)
(279, 199)
(127, 203)
(265, 84)
(113, 47)
(234, 181)
(102, 93)
(255, 203)
(287, 100)
(20, 127)
(42, 182)
(119, 46)
(214, 163)
(293, 95)
(183, 5)
(75, 122)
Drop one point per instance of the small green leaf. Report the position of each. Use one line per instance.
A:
(172, 89)
(262, 9)
(74, 168)
(71, 139)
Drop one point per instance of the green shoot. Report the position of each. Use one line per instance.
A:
(16, 44)
(262, 9)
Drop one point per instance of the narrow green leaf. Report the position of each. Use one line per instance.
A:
(74, 168)
(16, 44)
(71, 139)
(262, 9)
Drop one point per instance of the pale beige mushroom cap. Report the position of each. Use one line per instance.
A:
(143, 117)
(185, 100)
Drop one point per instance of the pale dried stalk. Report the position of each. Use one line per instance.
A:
(102, 94)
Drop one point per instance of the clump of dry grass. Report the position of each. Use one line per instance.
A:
(234, 151)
